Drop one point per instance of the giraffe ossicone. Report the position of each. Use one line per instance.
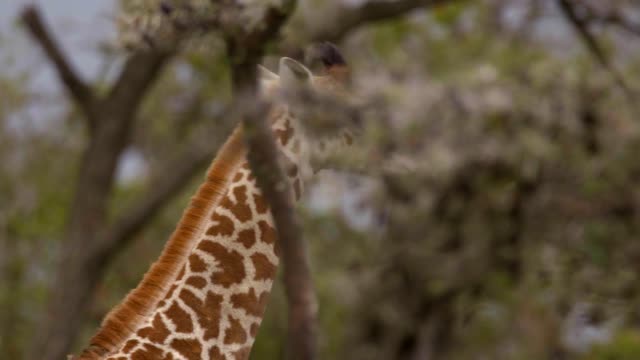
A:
(205, 296)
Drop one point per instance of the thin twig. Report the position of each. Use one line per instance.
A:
(582, 27)
(617, 21)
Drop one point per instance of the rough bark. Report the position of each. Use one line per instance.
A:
(263, 159)
(111, 120)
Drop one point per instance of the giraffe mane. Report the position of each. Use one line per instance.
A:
(123, 320)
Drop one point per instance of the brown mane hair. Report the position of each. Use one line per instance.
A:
(123, 320)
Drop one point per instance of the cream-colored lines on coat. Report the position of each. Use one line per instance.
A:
(205, 296)
(255, 251)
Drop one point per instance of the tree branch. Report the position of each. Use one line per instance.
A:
(345, 19)
(110, 121)
(79, 91)
(246, 51)
(138, 73)
(167, 184)
(263, 158)
(616, 20)
(581, 26)
(371, 11)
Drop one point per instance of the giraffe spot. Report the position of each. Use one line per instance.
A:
(189, 348)
(242, 354)
(196, 264)
(235, 333)
(297, 188)
(288, 163)
(231, 267)
(250, 176)
(261, 204)
(215, 354)
(191, 300)
(284, 135)
(181, 273)
(149, 352)
(265, 270)
(247, 237)
(129, 345)
(238, 177)
(197, 282)
(240, 209)
(156, 333)
(210, 317)
(161, 303)
(267, 232)
(293, 170)
(250, 302)
(180, 318)
(254, 329)
(224, 225)
(207, 311)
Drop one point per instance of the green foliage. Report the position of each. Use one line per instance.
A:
(508, 218)
(596, 245)
(625, 346)
(450, 14)
(388, 35)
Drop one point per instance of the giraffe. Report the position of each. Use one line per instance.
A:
(205, 295)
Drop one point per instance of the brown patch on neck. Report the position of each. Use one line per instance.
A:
(120, 323)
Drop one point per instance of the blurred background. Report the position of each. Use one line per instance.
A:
(490, 209)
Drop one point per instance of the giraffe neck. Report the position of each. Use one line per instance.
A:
(205, 296)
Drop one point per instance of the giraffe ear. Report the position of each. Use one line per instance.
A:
(293, 74)
(266, 74)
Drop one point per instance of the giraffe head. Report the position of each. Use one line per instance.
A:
(330, 75)
(315, 102)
